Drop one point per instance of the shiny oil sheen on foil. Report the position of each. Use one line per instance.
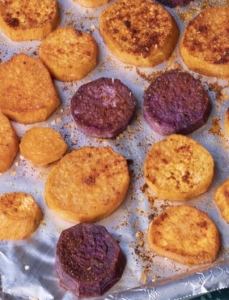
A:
(27, 266)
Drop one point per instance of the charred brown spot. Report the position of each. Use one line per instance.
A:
(203, 29)
(186, 149)
(78, 32)
(13, 22)
(222, 60)
(127, 23)
(130, 162)
(165, 161)
(159, 221)
(164, 216)
(133, 31)
(144, 188)
(226, 194)
(203, 224)
(151, 217)
(90, 180)
(186, 177)
(151, 179)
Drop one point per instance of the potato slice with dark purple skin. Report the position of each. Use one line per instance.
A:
(176, 102)
(88, 260)
(103, 108)
(174, 3)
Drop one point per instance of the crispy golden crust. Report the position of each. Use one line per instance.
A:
(19, 216)
(23, 20)
(87, 184)
(8, 144)
(184, 234)
(141, 33)
(91, 3)
(221, 198)
(205, 42)
(68, 53)
(178, 168)
(27, 93)
(42, 146)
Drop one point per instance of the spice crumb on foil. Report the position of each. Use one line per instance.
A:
(13, 173)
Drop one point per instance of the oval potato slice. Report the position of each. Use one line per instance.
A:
(221, 198)
(20, 216)
(27, 93)
(141, 33)
(178, 168)
(9, 144)
(91, 3)
(42, 145)
(87, 184)
(69, 54)
(184, 234)
(205, 42)
(23, 20)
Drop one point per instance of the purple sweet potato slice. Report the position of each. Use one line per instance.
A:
(176, 102)
(88, 260)
(103, 108)
(174, 3)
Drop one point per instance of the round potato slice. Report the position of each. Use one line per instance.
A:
(91, 3)
(221, 198)
(97, 261)
(27, 92)
(205, 42)
(87, 184)
(103, 107)
(184, 234)
(23, 20)
(185, 110)
(42, 145)
(20, 216)
(69, 54)
(8, 144)
(178, 168)
(141, 33)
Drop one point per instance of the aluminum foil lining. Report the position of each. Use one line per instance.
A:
(27, 267)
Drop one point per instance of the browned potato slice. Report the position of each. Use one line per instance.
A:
(19, 216)
(87, 184)
(184, 234)
(23, 20)
(27, 93)
(137, 32)
(178, 168)
(8, 144)
(91, 3)
(205, 42)
(68, 53)
(42, 146)
(221, 198)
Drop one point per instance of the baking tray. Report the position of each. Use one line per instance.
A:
(26, 266)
